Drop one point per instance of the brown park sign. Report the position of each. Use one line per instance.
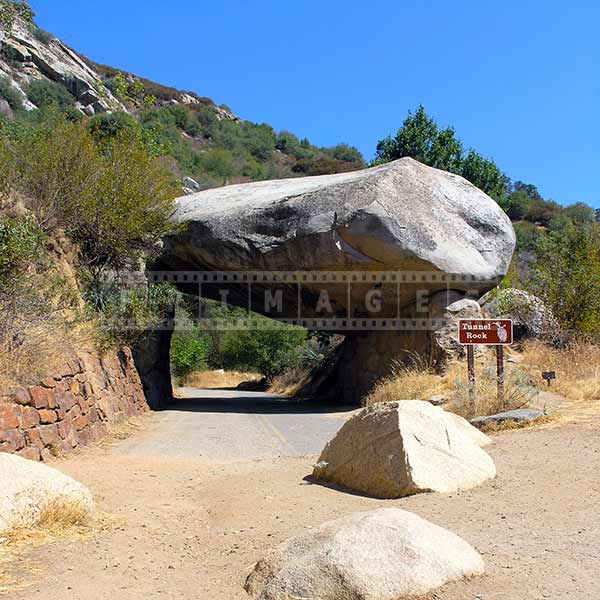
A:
(492, 332)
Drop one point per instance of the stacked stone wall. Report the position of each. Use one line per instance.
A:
(75, 407)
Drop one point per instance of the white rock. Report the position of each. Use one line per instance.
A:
(383, 554)
(531, 317)
(394, 449)
(28, 487)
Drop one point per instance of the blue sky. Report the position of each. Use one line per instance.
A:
(520, 81)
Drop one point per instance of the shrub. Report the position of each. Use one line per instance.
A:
(218, 163)
(7, 171)
(124, 317)
(417, 380)
(528, 235)
(567, 276)
(105, 125)
(517, 205)
(44, 93)
(542, 211)
(10, 94)
(40, 34)
(267, 346)
(11, 10)
(257, 140)
(519, 391)
(21, 244)
(288, 143)
(189, 351)
(346, 153)
(579, 213)
(114, 198)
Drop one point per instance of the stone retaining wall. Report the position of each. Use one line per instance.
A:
(73, 408)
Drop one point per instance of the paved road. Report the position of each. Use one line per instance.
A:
(230, 424)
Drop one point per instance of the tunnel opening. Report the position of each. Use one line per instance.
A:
(374, 335)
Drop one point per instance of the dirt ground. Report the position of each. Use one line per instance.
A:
(193, 528)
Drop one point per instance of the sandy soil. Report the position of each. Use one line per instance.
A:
(193, 528)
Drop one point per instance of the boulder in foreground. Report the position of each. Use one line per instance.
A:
(383, 554)
(395, 449)
(29, 489)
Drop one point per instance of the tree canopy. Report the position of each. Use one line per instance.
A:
(421, 138)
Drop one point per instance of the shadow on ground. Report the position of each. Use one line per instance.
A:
(234, 401)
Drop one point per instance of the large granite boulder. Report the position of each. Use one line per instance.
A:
(394, 449)
(383, 554)
(399, 241)
(29, 489)
(531, 317)
(401, 216)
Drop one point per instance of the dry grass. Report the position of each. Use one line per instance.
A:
(519, 390)
(542, 422)
(413, 381)
(289, 382)
(218, 379)
(419, 381)
(577, 369)
(60, 519)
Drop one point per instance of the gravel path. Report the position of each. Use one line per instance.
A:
(192, 517)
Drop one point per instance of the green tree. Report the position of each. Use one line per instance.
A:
(527, 188)
(422, 139)
(516, 205)
(580, 212)
(543, 211)
(269, 347)
(190, 350)
(484, 174)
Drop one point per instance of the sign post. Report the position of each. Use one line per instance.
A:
(471, 372)
(548, 376)
(485, 332)
(500, 370)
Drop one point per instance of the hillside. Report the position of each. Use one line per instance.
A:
(199, 139)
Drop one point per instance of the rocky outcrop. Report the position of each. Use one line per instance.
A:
(531, 317)
(23, 58)
(394, 449)
(74, 408)
(29, 489)
(383, 554)
(397, 243)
